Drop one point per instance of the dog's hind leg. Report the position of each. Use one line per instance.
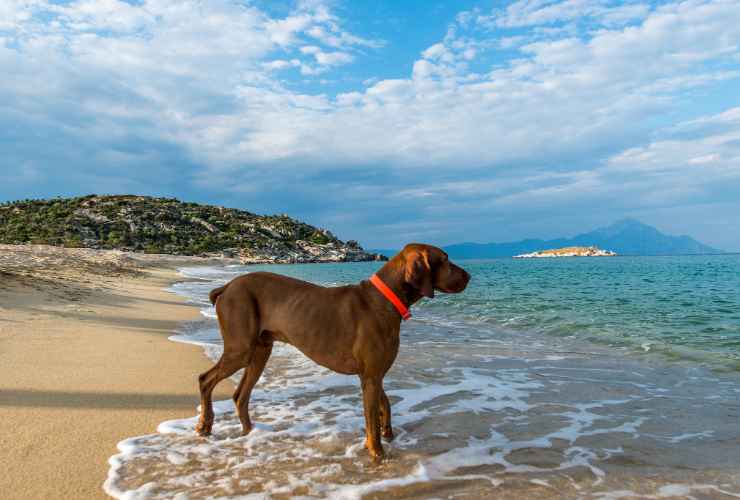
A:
(208, 381)
(239, 331)
(252, 373)
(385, 416)
(239, 387)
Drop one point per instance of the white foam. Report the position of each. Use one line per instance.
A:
(691, 435)
(667, 491)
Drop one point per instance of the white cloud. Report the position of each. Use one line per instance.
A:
(180, 69)
(435, 51)
(673, 172)
(707, 157)
(334, 37)
(13, 13)
(324, 60)
(93, 15)
(560, 98)
(333, 58)
(562, 121)
(279, 64)
(310, 49)
(538, 12)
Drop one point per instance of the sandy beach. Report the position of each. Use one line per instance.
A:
(85, 362)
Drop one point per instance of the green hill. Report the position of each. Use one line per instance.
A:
(167, 225)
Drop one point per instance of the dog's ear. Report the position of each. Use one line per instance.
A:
(418, 273)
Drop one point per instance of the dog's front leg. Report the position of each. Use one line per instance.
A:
(371, 390)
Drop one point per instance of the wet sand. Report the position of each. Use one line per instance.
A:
(85, 362)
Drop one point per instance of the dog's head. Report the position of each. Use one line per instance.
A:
(427, 268)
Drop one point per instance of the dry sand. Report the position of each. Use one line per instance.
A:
(85, 362)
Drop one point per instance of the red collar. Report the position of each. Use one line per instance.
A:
(392, 297)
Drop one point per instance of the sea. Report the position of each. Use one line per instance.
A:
(608, 378)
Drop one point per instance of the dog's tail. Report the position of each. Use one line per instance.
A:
(215, 293)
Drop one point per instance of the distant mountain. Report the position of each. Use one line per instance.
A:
(626, 237)
(167, 225)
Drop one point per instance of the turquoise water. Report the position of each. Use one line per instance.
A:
(560, 378)
(684, 306)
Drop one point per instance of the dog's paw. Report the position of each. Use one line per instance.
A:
(204, 428)
(387, 433)
(376, 452)
(377, 458)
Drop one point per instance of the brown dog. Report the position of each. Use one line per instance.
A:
(349, 329)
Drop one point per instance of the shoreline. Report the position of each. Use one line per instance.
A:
(86, 362)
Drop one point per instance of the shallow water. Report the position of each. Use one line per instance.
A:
(523, 386)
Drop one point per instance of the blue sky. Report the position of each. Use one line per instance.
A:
(384, 121)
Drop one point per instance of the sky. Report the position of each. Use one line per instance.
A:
(385, 122)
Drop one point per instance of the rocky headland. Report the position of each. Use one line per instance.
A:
(146, 224)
